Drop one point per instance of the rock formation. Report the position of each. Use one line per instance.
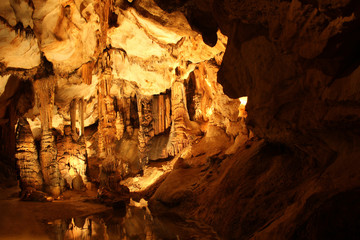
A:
(111, 87)
(45, 88)
(71, 157)
(146, 130)
(27, 158)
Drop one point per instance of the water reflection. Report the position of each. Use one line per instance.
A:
(132, 223)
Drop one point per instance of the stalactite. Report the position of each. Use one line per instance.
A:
(119, 122)
(128, 127)
(73, 107)
(45, 88)
(27, 157)
(82, 107)
(103, 9)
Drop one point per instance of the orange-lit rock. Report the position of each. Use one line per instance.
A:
(71, 157)
(18, 48)
(243, 114)
(27, 158)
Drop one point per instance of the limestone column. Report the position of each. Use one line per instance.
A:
(106, 110)
(178, 138)
(45, 89)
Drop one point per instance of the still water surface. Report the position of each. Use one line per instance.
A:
(130, 223)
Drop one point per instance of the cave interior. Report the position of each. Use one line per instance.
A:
(180, 119)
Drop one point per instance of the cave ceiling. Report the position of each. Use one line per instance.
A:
(75, 41)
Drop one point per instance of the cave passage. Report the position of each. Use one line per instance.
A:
(180, 119)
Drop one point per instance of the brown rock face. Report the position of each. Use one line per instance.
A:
(27, 158)
(287, 61)
(296, 61)
(49, 164)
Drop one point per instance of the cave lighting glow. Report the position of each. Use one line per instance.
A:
(243, 102)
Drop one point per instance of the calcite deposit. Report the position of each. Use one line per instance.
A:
(243, 114)
(27, 157)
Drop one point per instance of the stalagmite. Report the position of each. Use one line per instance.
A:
(45, 88)
(27, 158)
(71, 158)
(146, 131)
(178, 138)
(203, 94)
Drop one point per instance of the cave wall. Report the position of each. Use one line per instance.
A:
(298, 63)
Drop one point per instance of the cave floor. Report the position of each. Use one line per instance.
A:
(78, 216)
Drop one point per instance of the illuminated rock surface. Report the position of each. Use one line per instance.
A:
(130, 95)
(27, 158)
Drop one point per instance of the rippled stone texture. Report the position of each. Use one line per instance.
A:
(27, 158)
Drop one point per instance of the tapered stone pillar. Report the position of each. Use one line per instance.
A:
(106, 110)
(178, 138)
(27, 158)
(45, 89)
(82, 106)
(73, 107)
(71, 158)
